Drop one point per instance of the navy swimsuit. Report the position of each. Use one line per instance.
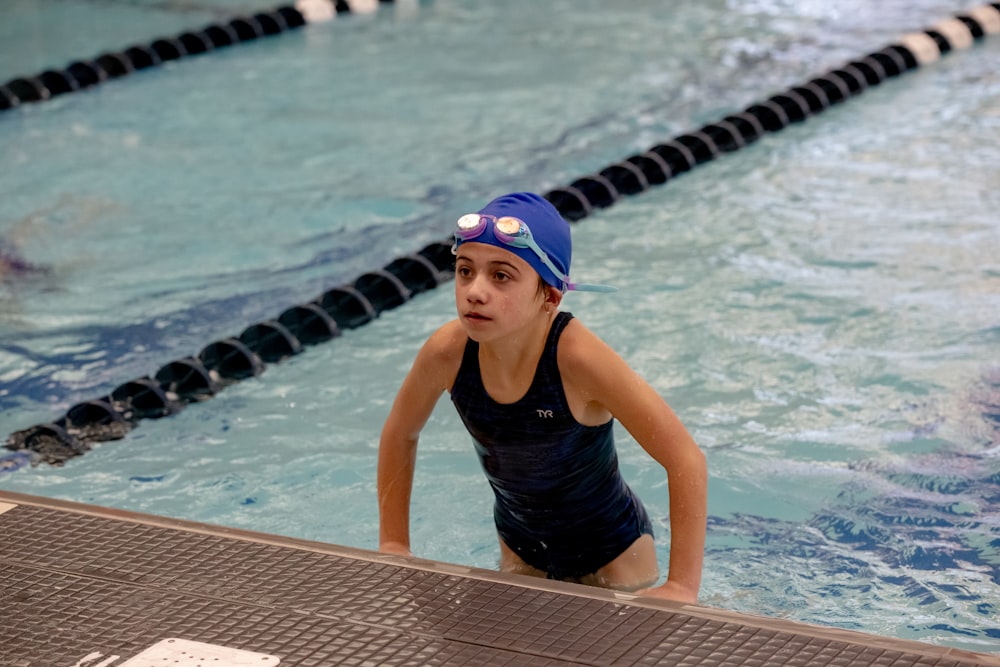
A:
(561, 503)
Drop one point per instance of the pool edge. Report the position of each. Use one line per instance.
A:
(10, 500)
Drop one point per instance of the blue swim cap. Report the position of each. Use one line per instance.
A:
(549, 229)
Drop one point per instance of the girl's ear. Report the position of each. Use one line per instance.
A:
(553, 296)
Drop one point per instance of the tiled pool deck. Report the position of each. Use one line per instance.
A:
(86, 586)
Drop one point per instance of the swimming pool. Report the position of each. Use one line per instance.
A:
(820, 308)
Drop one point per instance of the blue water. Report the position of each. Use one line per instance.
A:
(821, 308)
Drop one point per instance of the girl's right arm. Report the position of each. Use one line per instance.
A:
(433, 373)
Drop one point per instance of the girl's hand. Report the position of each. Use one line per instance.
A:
(395, 549)
(671, 591)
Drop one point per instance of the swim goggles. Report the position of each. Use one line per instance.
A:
(515, 233)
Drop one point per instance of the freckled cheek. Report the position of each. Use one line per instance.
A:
(504, 303)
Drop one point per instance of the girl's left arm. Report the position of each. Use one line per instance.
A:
(606, 381)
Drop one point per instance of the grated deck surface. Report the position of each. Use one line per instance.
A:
(83, 586)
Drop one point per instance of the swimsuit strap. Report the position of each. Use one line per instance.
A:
(548, 379)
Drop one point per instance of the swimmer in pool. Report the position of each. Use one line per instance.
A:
(539, 393)
(11, 262)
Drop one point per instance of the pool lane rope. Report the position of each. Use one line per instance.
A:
(348, 306)
(83, 74)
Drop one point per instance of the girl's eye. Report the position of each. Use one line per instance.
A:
(463, 271)
(501, 276)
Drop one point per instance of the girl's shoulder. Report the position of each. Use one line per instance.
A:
(583, 356)
(441, 355)
(577, 343)
(591, 373)
(448, 339)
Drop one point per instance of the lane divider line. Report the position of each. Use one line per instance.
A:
(87, 73)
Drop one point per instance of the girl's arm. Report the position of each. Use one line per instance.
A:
(605, 381)
(433, 372)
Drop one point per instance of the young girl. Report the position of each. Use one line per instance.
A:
(539, 394)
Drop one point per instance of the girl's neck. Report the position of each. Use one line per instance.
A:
(511, 361)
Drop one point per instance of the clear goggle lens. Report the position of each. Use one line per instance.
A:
(510, 226)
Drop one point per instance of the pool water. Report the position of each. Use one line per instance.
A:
(822, 308)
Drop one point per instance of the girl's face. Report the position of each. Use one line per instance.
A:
(496, 292)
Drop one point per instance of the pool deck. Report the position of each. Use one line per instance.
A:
(87, 586)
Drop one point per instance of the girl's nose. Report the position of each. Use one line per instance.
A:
(475, 290)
